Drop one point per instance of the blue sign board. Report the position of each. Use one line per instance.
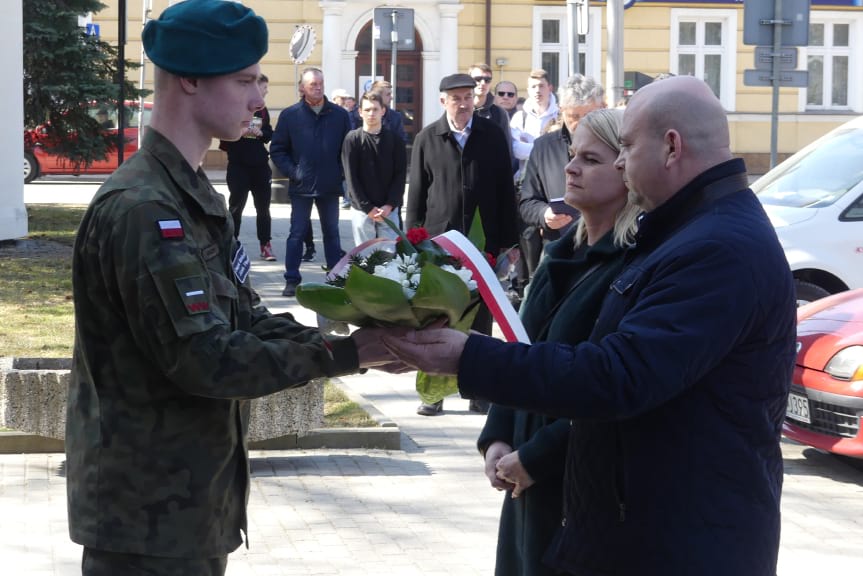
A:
(92, 30)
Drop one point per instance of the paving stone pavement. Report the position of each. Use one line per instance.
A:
(426, 509)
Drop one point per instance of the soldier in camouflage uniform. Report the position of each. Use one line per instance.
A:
(171, 340)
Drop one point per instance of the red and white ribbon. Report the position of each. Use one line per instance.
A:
(486, 280)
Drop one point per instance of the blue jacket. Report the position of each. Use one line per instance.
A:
(674, 465)
(307, 148)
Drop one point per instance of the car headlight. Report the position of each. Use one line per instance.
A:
(847, 364)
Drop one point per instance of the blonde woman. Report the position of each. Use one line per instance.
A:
(524, 451)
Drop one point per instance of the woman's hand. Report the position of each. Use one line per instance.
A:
(510, 469)
(493, 454)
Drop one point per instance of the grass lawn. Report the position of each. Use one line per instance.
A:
(37, 317)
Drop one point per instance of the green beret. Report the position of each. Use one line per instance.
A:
(205, 38)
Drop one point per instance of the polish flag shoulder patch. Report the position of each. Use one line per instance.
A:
(171, 229)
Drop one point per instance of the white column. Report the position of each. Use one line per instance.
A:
(431, 81)
(13, 215)
(614, 57)
(331, 44)
(449, 39)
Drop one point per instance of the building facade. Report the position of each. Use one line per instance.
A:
(514, 36)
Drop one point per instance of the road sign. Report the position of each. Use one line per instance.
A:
(383, 19)
(92, 29)
(792, 78)
(758, 22)
(764, 58)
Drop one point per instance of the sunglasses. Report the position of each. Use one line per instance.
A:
(478, 79)
(507, 94)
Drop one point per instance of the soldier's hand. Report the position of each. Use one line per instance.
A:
(373, 353)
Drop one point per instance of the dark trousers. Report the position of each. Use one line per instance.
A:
(102, 563)
(241, 180)
(301, 223)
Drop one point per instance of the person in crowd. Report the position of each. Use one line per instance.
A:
(526, 126)
(170, 339)
(505, 95)
(349, 103)
(249, 170)
(375, 163)
(392, 119)
(338, 97)
(483, 100)
(528, 448)
(677, 399)
(539, 110)
(306, 147)
(104, 119)
(544, 177)
(455, 171)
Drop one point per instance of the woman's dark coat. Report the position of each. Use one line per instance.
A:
(528, 523)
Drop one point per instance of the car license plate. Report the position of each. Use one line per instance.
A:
(798, 408)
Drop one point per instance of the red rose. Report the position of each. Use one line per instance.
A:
(417, 235)
(492, 261)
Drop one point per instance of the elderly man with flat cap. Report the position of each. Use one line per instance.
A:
(458, 166)
(170, 339)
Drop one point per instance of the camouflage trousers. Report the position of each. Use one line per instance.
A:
(102, 563)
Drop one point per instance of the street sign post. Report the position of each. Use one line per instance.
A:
(764, 59)
(393, 29)
(772, 25)
(790, 78)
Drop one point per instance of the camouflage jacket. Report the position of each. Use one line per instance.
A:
(170, 343)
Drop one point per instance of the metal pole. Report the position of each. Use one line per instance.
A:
(777, 46)
(374, 58)
(395, 48)
(572, 34)
(146, 7)
(121, 78)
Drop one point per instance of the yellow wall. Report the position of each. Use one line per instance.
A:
(646, 49)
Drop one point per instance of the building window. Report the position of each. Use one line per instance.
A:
(704, 45)
(551, 46)
(827, 59)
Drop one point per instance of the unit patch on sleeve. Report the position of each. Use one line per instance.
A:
(241, 264)
(171, 229)
(193, 293)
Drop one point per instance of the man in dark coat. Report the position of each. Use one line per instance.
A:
(483, 101)
(543, 174)
(677, 400)
(455, 171)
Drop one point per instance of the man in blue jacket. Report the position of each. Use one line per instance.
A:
(307, 148)
(674, 466)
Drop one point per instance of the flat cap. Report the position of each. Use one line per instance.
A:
(205, 38)
(454, 81)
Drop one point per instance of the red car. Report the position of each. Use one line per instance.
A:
(826, 400)
(39, 161)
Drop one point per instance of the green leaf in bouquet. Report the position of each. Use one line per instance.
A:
(403, 245)
(331, 302)
(440, 293)
(476, 234)
(379, 298)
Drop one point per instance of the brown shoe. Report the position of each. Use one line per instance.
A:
(430, 409)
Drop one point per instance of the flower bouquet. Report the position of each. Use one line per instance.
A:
(411, 281)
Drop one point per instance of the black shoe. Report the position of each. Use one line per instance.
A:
(430, 409)
(290, 290)
(480, 406)
(309, 254)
